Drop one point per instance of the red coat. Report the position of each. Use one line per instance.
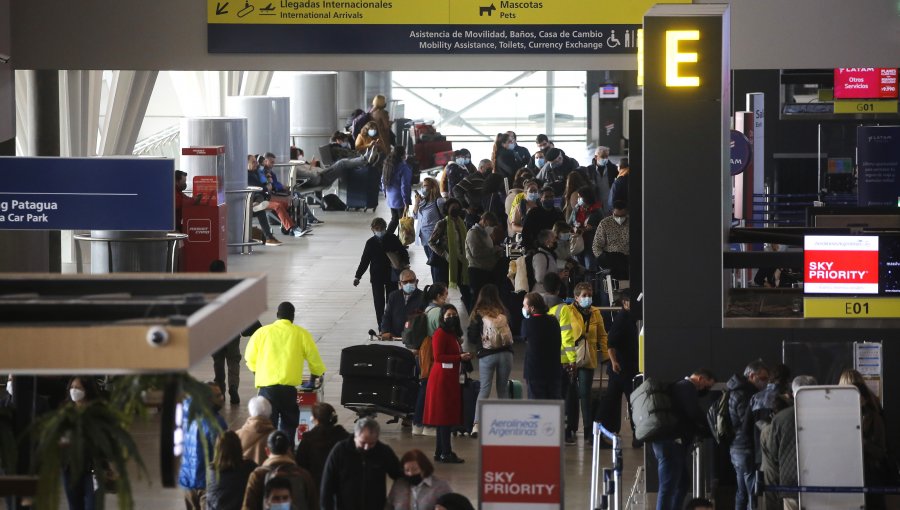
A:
(443, 399)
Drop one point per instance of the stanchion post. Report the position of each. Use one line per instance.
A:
(595, 468)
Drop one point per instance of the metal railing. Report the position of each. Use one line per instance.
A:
(166, 143)
(612, 476)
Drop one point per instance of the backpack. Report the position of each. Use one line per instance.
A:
(652, 411)
(415, 330)
(426, 358)
(495, 332)
(523, 263)
(719, 419)
(358, 122)
(293, 473)
(332, 202)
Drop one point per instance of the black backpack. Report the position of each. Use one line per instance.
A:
(332, 202)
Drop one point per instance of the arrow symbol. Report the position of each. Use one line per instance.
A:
(220, 8)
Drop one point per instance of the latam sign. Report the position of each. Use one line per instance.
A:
(865, 83)
(840, 264)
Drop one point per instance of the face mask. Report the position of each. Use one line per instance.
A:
(533, 197)
(9, 387)
(580, 202)
(461, 161)
(538, 162)
(585, 302)
(346, 145)
(280, 506)
(555, 164)
(525, 313)
(468, 160)
(619, 219)
(547, 204)
(76, 394)
(511, 146)
(602, 161)
(489, 230)
(452, 323)
(379, 234)
(414, 479)
(565, 237)
(372, 132)
(409, 288)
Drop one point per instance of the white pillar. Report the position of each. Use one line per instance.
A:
(232, 133)
(313, 111)
(378, 82)
(351, 94)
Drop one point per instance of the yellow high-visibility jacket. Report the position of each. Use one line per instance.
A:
(276, 353)
(572, 327)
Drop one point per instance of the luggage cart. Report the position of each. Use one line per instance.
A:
(362, 400)
(612, 476)
(308, 396)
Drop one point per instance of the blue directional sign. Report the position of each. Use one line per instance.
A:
(87, 194)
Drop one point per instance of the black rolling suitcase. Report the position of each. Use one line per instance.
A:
(359, 189)
(378, 361)
(387, 396)
(470, 389)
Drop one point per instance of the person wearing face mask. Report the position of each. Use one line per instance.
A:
(611, 242)
(82, 391)
(619, 190)
(418, 489)
(557, 168)
(280, 465)
(536, 162)
(470, 189)
(489, 330)
(580, 322)
(369, 138)
(448, 244)
(180, 197)
(437, 296)
(601, 174)
(278, 494)
(585, 217)
(623, 367)
(523, 203)
(194, 459)
(520, 154)
(227, 475)
(574, 182)
(427, 206)
(503, 158)
(374, 257)
(467, 156)
(396, 180)
(354, 474)
(543, 260)
(340, 146)
(481, 252)
(318, 441)
(542, 345)
(401, 303)
(443, 399)
(540, 218)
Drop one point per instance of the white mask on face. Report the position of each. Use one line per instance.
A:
(489, 230)
(9, 387)
(76, 394)
(619, 219)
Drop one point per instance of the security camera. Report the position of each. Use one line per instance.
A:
(4, 59)
(157, 336)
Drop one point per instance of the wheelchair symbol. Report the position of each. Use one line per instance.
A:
(611, 41)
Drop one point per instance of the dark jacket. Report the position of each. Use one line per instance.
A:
(470, 190)
(691, 418)
(455, 175)
(398, 309)
(353, 480)
(739, 410)
(623, 337)
(225, 490)
(317, 443)
(374, 258)
(508, 163)
(536, 220)
(781, 448)
(543, 343)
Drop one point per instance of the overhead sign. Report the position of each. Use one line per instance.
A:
(851, 308)
(87, 194)
(865, 83)
(521, 454)
(440, 26)
(840, 264)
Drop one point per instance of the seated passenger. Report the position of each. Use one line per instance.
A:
(313, 175)
(256, 177)
(340, 146)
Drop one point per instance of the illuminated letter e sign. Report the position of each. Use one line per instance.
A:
(674, 57)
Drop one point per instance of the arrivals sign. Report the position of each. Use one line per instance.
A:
(87, 194)
(840, 264)
(435, 26)
(521, 454)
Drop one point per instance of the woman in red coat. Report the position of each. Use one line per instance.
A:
(443, 398)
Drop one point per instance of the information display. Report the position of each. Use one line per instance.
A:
(840, 264)
(438, 26)
(865, 83)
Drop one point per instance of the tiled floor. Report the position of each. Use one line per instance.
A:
(316, 274)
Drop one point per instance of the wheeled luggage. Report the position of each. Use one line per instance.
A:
(359, 188)
(470, 389)
(378, 361)
(515, 389)
(652, 411)
(378, 395)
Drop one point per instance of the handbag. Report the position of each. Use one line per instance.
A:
(407, 232)
(397, 260)
(576, 244)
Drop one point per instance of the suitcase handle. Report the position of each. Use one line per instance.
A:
(370, 365)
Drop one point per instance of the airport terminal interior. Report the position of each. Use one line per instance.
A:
(737, 186)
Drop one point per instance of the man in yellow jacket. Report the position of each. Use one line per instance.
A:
(276, 354)
(580, 322)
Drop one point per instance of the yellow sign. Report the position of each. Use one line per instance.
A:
(851, 308)
(872, 106)
(675, 57)
(431, 12)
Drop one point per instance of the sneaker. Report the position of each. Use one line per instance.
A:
(430, 431)
(315, 221)
(450, 458)
(273, 242)
(233, 393)
(418, 430)
(570, 437)
(299, 233)
(260, 206)
(474, 431)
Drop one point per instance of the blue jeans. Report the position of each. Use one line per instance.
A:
(743, 463)
(499, 364)
(674, 473)
(285, 412)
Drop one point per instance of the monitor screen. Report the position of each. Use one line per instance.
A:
(840, 264)
(609, 91)
(865, 83)
(889, 265)
(840, 165)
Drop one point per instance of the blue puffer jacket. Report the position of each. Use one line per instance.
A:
(193, 464)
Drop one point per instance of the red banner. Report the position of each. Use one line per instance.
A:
(841, 264)
(516, 474)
